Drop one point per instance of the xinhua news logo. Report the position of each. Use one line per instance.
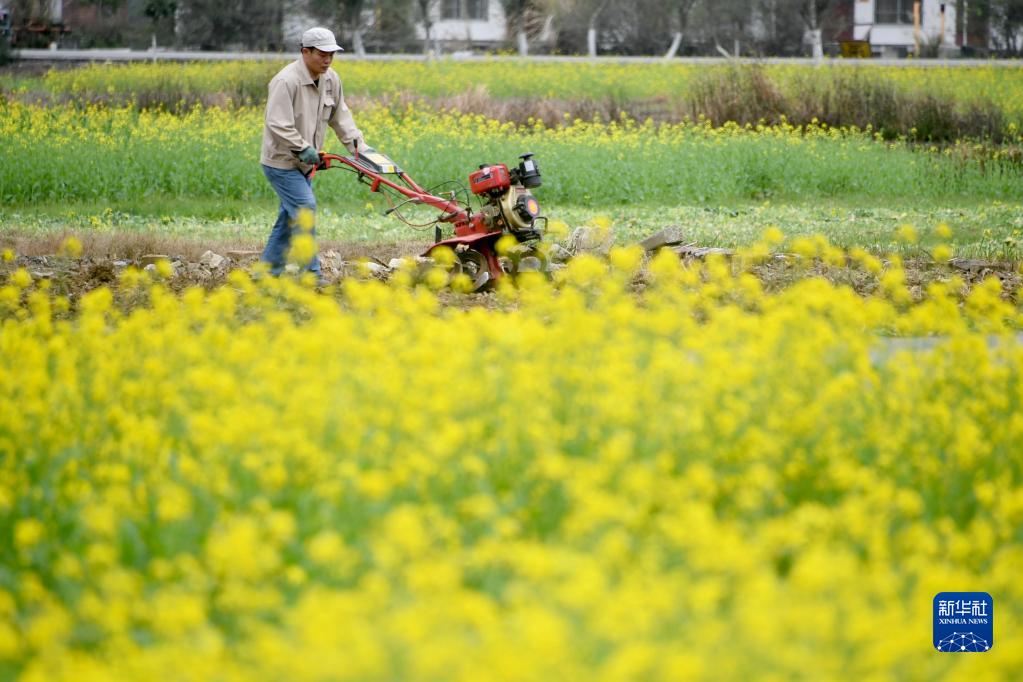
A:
(963, 622)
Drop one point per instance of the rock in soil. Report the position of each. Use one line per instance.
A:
(212, 260)
(691, 251)
(595, 239)
(669, 236)
(242, 256)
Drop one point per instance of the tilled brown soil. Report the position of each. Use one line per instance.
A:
(105, 257)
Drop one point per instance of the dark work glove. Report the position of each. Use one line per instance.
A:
(309, 156)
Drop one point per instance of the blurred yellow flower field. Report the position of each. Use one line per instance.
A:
(578, 480)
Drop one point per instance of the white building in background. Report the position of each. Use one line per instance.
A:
(481, 24)
(454, 24)
(472, 22)
(893, 28)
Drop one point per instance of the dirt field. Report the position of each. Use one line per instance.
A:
(104, 257)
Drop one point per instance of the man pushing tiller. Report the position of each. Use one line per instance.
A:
(304, 97)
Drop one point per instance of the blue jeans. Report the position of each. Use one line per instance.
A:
(296, 192)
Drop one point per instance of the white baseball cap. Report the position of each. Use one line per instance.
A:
(322, 39)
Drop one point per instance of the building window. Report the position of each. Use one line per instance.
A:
(893, 12)
(449, 9)
(465, 9)
(479, 9)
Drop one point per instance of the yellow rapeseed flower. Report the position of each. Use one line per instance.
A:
(21, 278)
(28, 532)
(164, 268)
(71, 247)
(303, 248)
(942, 253)
(305, 220)
(906, 234)
(773, 236)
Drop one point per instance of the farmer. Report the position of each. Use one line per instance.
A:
(304, 97)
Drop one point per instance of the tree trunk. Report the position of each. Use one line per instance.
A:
(676, 42)
(815, 31)
(523, 42)
(424, 10)
(966, 23)
(818, 46)
(360, 49)
(591, 37)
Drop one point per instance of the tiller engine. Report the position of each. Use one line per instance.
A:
(506, 207)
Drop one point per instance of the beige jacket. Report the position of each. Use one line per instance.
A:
(297, 114)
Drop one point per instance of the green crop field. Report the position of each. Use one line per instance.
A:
(204, 164)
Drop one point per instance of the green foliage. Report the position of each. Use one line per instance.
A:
(106, 7)
(214, 24)
(160, 9)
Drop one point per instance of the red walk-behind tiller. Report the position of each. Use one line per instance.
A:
(506, 207)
